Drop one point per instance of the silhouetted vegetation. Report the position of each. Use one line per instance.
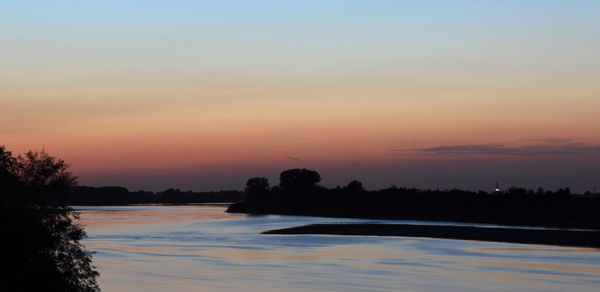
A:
(40, 237)
(111, 196)
(299, 194)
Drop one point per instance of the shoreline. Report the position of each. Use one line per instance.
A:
(574, 238)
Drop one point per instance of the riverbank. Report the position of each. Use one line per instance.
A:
(578, 238)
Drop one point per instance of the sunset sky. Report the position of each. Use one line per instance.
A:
(202, 95)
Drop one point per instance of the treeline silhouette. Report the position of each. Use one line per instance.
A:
(298, 193)
(40, 235)
(111, 196)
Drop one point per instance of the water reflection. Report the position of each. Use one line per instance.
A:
(201, 248)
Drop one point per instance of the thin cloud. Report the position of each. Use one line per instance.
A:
(291, 158)
(566, 149)
(549, 140)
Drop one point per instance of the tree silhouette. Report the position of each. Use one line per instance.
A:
(41, 244)
(299, 194)
(256, 187)
(298, 180)
(355, 187)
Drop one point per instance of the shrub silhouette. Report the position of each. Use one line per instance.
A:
(41, 248)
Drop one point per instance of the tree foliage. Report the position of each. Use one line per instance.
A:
(354, 187)
(41, 248)
(298, 180)
(256, 187)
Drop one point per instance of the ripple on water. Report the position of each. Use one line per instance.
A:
(201, 248)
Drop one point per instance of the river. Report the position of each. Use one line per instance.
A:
(202, 248)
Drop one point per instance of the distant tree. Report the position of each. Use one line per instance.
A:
(256, 187)
(355, 187)
(298, 180)
(299, 193)
(8, 164)
(41, 248)
(539, 192)
(563, 193)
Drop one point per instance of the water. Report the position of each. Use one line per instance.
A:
(201, 248)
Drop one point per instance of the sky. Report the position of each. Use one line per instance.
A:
(202, 95)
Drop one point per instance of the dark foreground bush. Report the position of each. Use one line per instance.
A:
(40, 237)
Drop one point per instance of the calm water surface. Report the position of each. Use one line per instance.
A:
(201, 248)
